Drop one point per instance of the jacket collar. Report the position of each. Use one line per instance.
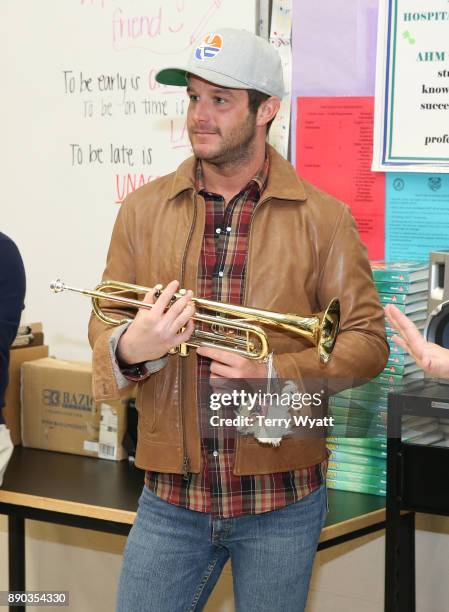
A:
(283, 182)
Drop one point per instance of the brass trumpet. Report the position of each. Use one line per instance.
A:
(238, 335)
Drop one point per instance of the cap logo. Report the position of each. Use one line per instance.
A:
(209, 47)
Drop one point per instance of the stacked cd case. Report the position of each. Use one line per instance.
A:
(358, 443)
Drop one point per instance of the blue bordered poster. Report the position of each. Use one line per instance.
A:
(412, 87)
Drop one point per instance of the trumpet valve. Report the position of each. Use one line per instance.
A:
(181, 349)
(178, 295)
(158, 290)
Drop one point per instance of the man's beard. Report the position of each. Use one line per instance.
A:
(236, 147)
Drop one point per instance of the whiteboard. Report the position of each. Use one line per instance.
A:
(86, 123)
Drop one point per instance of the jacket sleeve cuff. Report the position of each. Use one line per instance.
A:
(290, 385)
(124, 373)
(286, 369)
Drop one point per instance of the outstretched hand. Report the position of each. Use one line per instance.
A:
(432, 358)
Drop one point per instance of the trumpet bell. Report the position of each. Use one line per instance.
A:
(329, 328)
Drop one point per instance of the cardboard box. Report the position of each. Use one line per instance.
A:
(12, 410)
(29, 335)
(59, 414)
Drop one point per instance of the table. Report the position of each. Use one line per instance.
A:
(417, 481)
(102, 495)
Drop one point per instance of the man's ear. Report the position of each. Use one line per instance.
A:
(267, 110)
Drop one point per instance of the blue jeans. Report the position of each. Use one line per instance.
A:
(174, 557)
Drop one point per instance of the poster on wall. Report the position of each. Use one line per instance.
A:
(334, 50)
(412, 87)
(416, 215)
(334, 142)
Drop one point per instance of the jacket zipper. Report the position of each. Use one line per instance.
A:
(258, 205)
(181, 368)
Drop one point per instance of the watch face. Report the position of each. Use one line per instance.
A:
(437, 329)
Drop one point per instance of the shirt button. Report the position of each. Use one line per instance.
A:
(228, 229)
(220, 273)
(218, 230)
(215, 453)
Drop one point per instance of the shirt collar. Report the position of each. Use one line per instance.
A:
(283, 182)
(260, 178)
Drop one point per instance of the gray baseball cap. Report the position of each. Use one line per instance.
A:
(231, 58)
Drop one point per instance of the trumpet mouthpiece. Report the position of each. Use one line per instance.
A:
(57, 286)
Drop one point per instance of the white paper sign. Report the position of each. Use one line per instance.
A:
(412, 87)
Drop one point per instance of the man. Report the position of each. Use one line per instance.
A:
(433, 359)
(12, 294)
(236, 225)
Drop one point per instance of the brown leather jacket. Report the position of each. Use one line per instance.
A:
(304, 249)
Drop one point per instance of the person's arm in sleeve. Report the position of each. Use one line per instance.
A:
(361, 350)
(103, 338)
(430, 357)
(125, 373)
(140, 348)
(12, 295)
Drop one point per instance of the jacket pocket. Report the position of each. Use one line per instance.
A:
(146, 405)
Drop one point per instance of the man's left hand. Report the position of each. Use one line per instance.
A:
(229, 365)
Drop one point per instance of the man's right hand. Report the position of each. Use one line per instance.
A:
(153, 332)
